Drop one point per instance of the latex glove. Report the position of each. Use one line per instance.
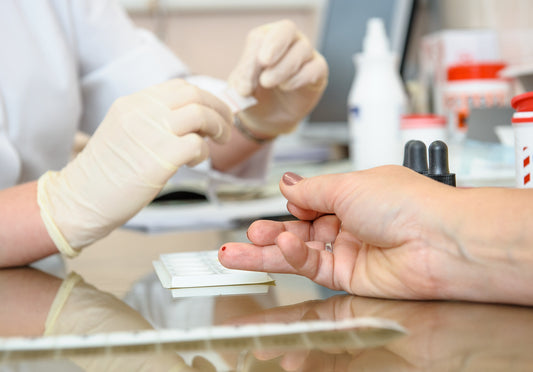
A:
(282, 70)
(141, 143)
(81, 309)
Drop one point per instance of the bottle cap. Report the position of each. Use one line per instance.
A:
(417, 121)
(523, 102)
(438, 163)
(415, 156)
(375, 41)
(474, 71)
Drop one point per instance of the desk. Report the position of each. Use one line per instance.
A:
(115, 289)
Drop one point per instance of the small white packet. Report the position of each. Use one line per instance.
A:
(235, 101)
(223, 91)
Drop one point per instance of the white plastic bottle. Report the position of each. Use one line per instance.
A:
(376, 102)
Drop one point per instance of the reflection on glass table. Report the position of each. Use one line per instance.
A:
(441, 335)
(96, 331)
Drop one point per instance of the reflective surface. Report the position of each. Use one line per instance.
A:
(112, 287)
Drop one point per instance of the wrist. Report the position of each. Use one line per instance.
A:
(47, 211)
(252, 134)
(495, 239)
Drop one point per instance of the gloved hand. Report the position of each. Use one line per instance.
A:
(81, 309)
(281, 69)
(140, 144)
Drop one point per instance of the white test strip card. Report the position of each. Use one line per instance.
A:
(221, 290)
(235, 101)
(202, 269)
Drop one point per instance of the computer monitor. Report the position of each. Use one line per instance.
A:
(341, 34)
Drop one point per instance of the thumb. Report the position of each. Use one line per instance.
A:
(324, 194)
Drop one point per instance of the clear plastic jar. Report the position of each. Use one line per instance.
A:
(473, 85)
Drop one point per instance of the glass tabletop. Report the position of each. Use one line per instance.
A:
(107, 310)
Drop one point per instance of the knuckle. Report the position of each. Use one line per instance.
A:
(197, 143)
(194, 93)
(121, 102)
(176, 83)
(196, 111)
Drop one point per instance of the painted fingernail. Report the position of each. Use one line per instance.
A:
(223, 248)
(290, 178)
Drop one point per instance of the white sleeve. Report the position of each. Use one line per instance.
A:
(115, 57)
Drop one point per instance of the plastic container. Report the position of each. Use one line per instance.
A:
(522, 123)
(376, 102)
(423, 127)
(473, 85)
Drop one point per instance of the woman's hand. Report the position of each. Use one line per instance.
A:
(396, 234)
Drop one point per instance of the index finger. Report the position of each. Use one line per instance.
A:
(323, 194)
(196, 118)
(279, 36)
(177, 93)
(264, 232)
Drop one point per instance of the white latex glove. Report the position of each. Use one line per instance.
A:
(81, 309)
(141, 143)
(284, 72)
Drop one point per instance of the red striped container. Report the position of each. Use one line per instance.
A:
(522, 122)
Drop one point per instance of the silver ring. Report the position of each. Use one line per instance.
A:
(329, 247)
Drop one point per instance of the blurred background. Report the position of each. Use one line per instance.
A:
(459, 60)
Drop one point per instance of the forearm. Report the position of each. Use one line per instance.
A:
(495, 243)
(23, 236)
(27, 295)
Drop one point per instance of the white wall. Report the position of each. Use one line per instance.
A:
(208, 35)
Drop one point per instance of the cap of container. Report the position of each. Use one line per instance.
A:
(475, 71)
(523, 102)
(438, 164)
(418, 121)
(415, 156)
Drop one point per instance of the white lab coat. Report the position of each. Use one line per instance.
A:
(63, 63)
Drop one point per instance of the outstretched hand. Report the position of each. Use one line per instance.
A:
(376, 251)
(394, 233)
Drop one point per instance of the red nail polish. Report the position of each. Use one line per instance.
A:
(224, 248)
(290, 178)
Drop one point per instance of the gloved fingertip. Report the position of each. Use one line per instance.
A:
(223, 135)
(265, 57)
(242, 87)
(200, 157)
(267, 80)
